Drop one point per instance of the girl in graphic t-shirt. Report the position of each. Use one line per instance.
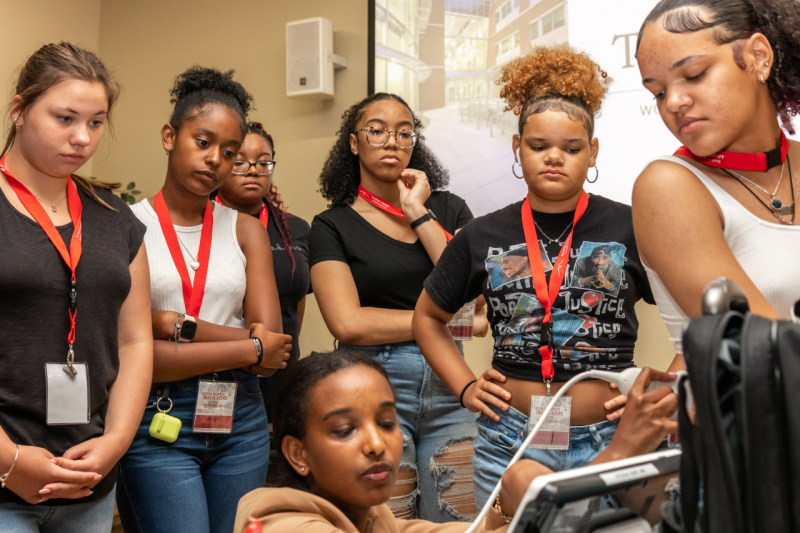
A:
(510, 257)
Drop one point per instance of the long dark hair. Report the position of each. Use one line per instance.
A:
(50, 65)
(732, 20)
(293, 400)
(277, 209)
(341, 174)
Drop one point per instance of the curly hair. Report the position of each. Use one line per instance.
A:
(554, 78)
(341, 173)
(277, 209)
(293, 402)
(732, 20)
(199, 87)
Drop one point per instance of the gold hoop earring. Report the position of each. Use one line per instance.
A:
(596, 175)
(512, 170)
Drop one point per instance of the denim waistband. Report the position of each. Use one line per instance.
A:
(394, 346)
(518, 422)
(191, 384)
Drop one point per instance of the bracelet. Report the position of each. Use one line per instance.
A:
(4, 477)
(496, 507)
(259, 351)
(461, 398)
(177, 328)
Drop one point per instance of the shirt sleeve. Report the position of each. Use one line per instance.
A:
(325, 242)
(451, 284)
(463, 215)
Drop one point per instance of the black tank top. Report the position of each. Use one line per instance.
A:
(34, 299)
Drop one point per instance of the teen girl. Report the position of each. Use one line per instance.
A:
(341, 447)
(370, 253)
(726, 79)
(570, 307)
(250, 189)
(74, 383)
(215, 306)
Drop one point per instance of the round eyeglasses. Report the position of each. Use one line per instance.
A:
(379, 136)
(264, 168)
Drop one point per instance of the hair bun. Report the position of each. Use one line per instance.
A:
(550, 70)
(199, 78)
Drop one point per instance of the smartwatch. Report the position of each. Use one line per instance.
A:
(188, 329)
(423, 219)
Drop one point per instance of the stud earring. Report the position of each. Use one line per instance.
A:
(303, 469)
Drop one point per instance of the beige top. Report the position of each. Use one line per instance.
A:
(282, 510)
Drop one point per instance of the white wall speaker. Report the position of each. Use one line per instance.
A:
(310, 60)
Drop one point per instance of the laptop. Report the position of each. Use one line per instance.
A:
(577, 500)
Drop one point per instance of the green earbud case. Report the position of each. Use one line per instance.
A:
(165, 427)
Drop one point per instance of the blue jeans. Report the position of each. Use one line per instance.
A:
(433, 422)
(195, 483)
(497, 442)
(91, 517)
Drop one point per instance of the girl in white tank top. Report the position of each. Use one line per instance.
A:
(715, 211)
(212, 283)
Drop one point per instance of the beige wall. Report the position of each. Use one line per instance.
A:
(29, 24)
(148, 42)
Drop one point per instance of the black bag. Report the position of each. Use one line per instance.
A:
(740, 469)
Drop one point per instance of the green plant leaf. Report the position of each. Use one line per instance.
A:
(136, 192)
(131, 186)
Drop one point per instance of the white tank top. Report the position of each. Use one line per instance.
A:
(769, 254)
(225, 282)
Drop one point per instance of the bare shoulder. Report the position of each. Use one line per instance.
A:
(669, 186)
(250, 232)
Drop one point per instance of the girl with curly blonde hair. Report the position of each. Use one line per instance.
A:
(560, 273)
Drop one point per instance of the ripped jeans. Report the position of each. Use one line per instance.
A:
(497, 442)
(433, 422)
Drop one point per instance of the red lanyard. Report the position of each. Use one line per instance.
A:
(263, 215)
(546, 298)
(383, 205)
(192, 295)
(72, 257)
(741, 161)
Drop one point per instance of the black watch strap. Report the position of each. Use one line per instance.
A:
(423, 219)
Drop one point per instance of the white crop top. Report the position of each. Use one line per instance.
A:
(769, 254)
(225, 282)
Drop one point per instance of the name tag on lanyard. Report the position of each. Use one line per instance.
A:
(213, 411)
(462, 322)
(554, 433)
(67, 394)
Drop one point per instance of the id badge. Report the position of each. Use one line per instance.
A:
(461, 323)
(67, 394)
(554, 433)
(213, 412)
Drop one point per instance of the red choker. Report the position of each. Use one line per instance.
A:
(741, 161)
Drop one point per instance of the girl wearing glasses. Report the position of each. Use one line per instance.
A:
(216, 326)
(370, 253)
(250, 190)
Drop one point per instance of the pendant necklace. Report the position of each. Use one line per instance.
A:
(194, 264)
(775, 203)
(557, 239)
(52, 206)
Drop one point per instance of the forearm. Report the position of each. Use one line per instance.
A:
(171, 363)
(164, 329)
(441, 352)
(432, 238)
(677, 364)
(367, 326)
(128, 395)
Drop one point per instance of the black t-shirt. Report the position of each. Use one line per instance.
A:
(292, 288)
(34, 300)
(388, 273)
(594, 321)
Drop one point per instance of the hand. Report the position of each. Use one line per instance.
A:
(98, 456)
(614, 403)
(484, 392)
(647, 416)
(480, 324)
(164, 324)
(412, 201)
(277, 349)
(515, 482)
(35, 469)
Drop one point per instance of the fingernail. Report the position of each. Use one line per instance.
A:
(497, 419)
(672, 373)
(505, 407)
(44, 491)
(98, 476)
(53, 460)
(91, 492)
(608, 405)
(507, 396)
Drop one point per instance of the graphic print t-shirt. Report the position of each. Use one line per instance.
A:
(594, 321)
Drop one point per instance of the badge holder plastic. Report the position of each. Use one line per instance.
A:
(165, 427)
(462, 322)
